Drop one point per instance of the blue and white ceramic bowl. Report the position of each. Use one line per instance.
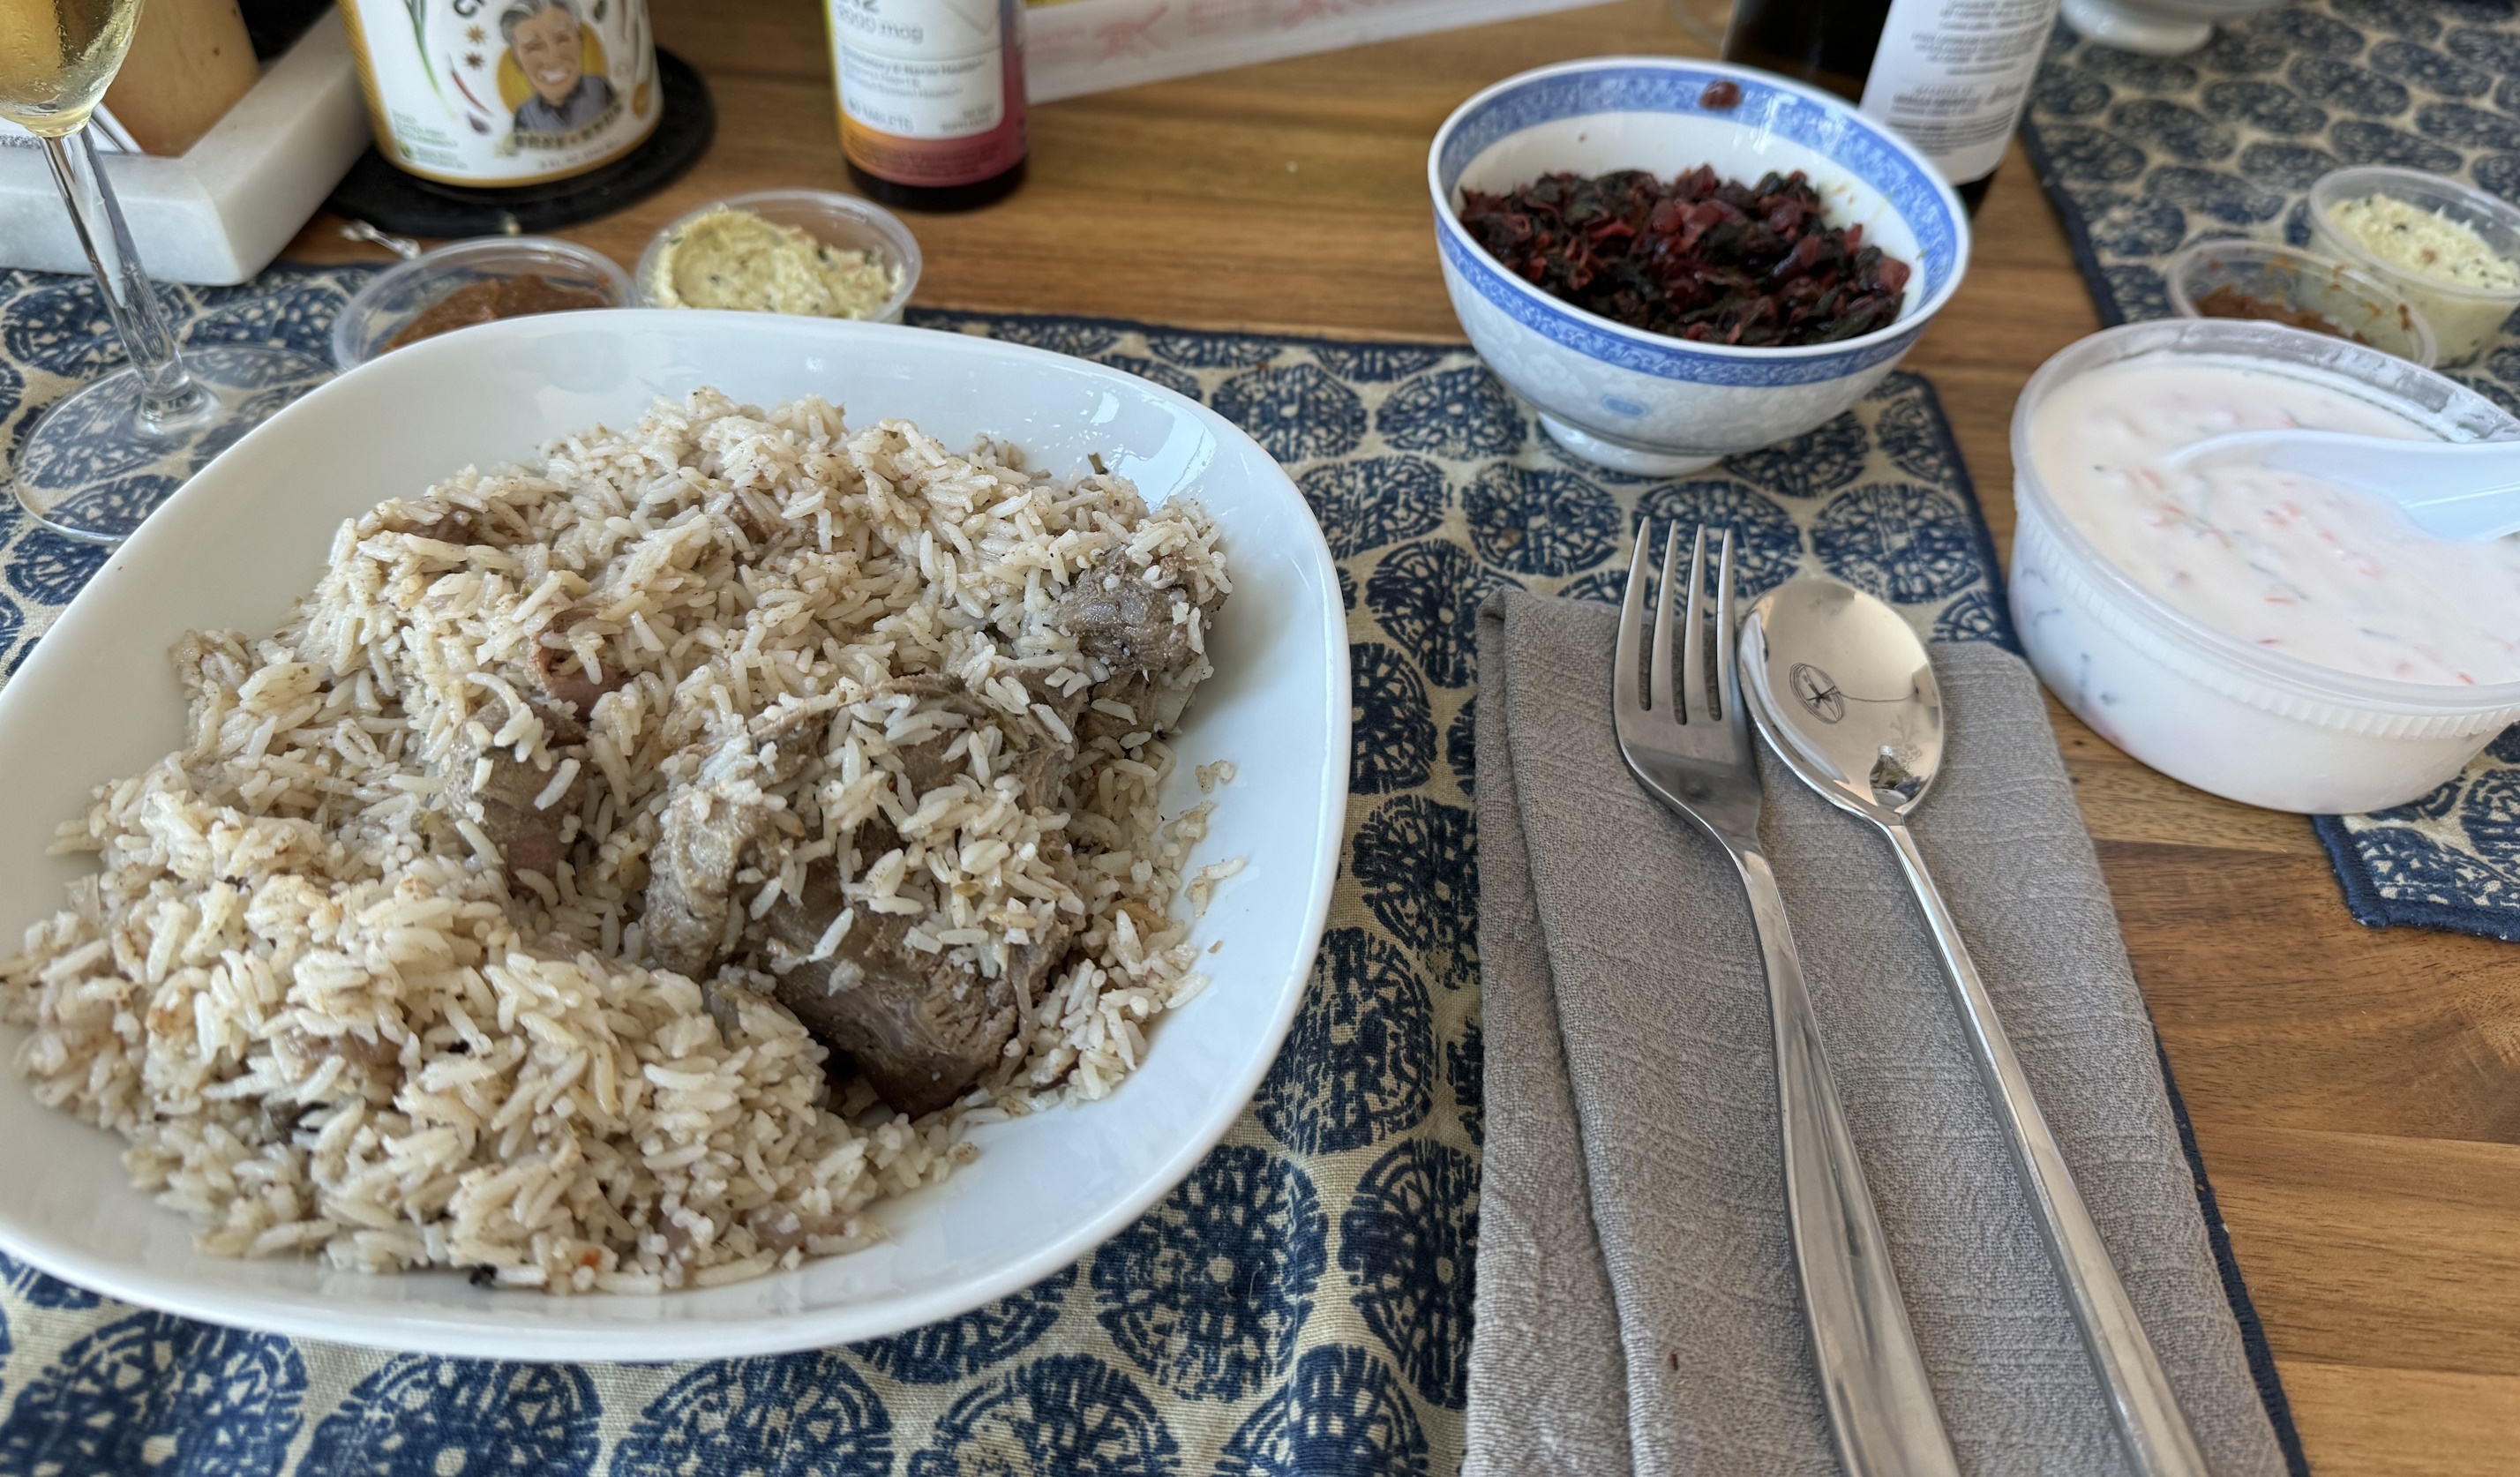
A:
(1642, 402)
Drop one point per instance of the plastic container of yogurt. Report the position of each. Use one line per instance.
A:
(2465, 320)
(2228, 712)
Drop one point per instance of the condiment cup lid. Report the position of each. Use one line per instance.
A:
(2356, 301)
(827, 215)
(399, 293)
(2495, 220)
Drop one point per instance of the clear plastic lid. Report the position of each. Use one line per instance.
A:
(396, 297)
(2361, 306)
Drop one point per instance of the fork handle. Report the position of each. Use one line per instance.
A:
(1881, 1404)
(2156, 1436)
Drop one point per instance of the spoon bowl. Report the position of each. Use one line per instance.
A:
(1858, 714)
(2465, 492)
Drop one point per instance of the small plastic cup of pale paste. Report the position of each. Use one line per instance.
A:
(829, 217)
(2465, 319)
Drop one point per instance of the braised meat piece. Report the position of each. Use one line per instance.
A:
(1043, 768)
(713, 822)
(925, 763)
(1125, 623)
(509, 804)
(444, 522)
(923, 1028)
(1125, 626)
(1155, 707)
(561, 673)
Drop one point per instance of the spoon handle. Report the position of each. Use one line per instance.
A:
(2158, 1442)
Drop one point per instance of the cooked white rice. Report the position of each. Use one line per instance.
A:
(327, 1020)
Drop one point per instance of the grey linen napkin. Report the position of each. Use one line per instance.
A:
(1637, 1306)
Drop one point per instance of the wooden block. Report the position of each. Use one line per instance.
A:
(190, 62)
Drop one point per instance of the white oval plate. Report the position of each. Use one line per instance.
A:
(98, 701)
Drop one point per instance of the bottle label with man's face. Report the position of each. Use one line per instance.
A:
(504, 92)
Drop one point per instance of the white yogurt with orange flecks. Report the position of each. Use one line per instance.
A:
(2281, 560)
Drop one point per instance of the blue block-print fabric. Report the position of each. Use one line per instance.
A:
(2143, 156)
(1066, 1414)
(1360, 1061)
(798, 1415)
(424, 1417)
(1299, 1306)
(940, 1353)
(1208, 1292)
(145, 1392)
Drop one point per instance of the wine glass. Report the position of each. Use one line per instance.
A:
(101, 460)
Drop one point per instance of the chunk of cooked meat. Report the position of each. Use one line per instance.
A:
(1042, 766)
(509, 804)
(713, 822)
(1127, 624)
(923, 1028)
(1154, 707)
(444, 522)
(1037, 763)
(562, 673)
(691, 875)
(925, 763)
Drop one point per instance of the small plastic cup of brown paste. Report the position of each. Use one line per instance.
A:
(472, 282)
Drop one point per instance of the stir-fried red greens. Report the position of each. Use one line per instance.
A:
(1702, 257)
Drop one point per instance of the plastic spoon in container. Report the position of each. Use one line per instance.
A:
(2465, 491)
(1844, 694)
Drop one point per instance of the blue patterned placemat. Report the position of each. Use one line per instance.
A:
(1301, 1303)
(2144, 154)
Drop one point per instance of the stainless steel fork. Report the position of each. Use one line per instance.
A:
(1695, 755)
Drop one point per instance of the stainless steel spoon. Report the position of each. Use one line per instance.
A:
(1844, 694)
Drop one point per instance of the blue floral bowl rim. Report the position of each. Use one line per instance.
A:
(1908, 324)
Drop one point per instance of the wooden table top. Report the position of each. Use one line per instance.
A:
(2356, 1094)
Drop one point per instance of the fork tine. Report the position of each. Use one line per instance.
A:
(1728, 666)
(1665, 701)
(1632, 611)
(1692, 665)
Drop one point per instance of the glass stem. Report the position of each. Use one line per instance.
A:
(168, 396)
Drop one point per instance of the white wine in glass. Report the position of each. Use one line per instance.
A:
(101, 460)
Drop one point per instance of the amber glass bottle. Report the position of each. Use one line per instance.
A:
(932, 99)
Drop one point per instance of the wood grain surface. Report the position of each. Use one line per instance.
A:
(2356, 1094)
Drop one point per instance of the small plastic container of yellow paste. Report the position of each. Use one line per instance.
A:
(2464, 300)
(810, 252)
